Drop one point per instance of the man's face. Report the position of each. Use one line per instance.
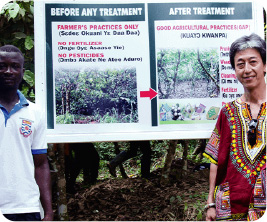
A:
(11, 70)
(249, 68)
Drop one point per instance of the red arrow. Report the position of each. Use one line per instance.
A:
(151, 94)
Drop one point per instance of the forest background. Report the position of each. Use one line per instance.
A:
(17, 28)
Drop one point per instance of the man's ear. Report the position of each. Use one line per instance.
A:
(22, 74)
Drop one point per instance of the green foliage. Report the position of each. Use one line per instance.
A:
(106, 151)
(179, 65)
(29, 77)
(192, 203)
(65, 119)
(29, 43)
(194, 209)
(16, 28)
(109, 96)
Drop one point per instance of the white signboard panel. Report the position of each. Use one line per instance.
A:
(142, 70)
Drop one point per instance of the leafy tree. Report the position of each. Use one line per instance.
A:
(16, 28)
(176, 66)
(96, 94)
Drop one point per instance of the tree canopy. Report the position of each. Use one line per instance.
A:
(17, 28)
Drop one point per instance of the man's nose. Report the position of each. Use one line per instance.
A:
(247, 67)
(8, 69)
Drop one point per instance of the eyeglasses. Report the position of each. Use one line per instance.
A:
(252, 127)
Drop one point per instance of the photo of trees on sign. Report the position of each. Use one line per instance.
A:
(94, 96)
(188, 73)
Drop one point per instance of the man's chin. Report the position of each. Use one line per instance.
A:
(8, 87)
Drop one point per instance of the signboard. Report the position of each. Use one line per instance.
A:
(137, 71)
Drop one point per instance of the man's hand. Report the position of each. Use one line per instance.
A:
(211, 214)
(48, 217)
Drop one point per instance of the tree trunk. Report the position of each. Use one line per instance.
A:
(185, 161)
(117, 151)
(68, 99)
(200, 148)
(169, 158)
(61, 185)
(176, 71)
(211, 77)
(63, 99)
(52, 157)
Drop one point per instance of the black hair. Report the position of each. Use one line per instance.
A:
(11, 48)
(252, 41)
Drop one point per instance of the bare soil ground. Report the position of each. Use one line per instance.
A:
(139, 199)
(192, 89)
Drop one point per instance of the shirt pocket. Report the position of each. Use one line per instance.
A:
(222, 199)
(259, 191)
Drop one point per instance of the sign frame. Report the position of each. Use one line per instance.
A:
(150, 129)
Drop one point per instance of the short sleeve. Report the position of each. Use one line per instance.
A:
(39, 143)
(212, 148)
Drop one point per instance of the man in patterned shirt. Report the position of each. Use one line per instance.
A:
(237, 147)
